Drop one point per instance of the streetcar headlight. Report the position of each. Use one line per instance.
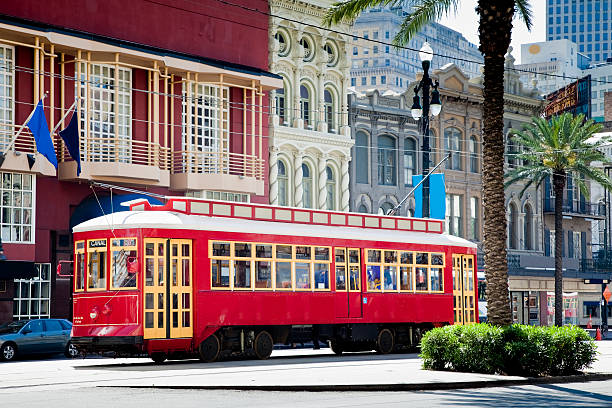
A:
(94, 313)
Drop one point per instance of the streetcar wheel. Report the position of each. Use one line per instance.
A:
(8, 352)
(209, 349)
(263, 345)
(159, 358)
(385, 342)
(336, 347)
(71, 351)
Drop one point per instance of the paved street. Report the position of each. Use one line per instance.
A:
(103, 382)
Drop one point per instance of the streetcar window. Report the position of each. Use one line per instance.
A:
(283, 275)
(373, 255)
(437, 259)
(220, 269)
(242, 274)
(421, 279)
(434, 277)
(405, 278)
(390, 257)
(302, 275)
(340, 255)
(354, 277)
(242, 250)
(221, 249)
(321, 274)
(124, 263)
(406, 258)
(340, 278)
(390, 277)
(263, 277)
(96, 268)
(321, 254)
(150, 271)
(283, 251)
(263, 251)
(373, 275)
(354, 256)
(422, 258)
(302, 252)
(79, 266)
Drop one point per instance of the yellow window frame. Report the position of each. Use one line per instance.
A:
(79, 249)
(115, 246)
(96, 250)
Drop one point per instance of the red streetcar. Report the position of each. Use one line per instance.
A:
(210, 277)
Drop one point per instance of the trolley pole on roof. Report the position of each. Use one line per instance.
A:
(395, 209)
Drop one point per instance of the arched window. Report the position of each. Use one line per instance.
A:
(528, 227)
(363, 209)
(385, 208)
(328, 101)
(283, 184)
(409, 160)
(386, 160)
(305, 105)
(452, 145)
(281, 107)
(362, 158)
(473, 155)
(513, 227)
(307, 185)
(331, 189)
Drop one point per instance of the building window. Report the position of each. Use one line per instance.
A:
(17, 207)
(473, 155)
(454, 209)
(109, 106)
(386, 160)
(353, 81)
(281, 108)
(205, 127)
(513, 227)
(283, 184)
(33, 296)
(452, 144)
(383, 79)
(363, 81)
(7, 99)
(219, 195)
(373, 80)
(363, 209)
(362, 159)
(409, 160)
(331, 189)
(528, 227)
(328, 101)
(385, 208)
(474, 233)
(307, 185)
(305, 105)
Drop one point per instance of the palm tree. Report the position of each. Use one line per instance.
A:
(558, 148)
(495, 29)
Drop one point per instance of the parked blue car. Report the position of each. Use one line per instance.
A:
(40, 336)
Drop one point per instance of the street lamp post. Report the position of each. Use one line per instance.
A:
(426, 55)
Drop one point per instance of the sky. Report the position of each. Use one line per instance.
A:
(466, 22)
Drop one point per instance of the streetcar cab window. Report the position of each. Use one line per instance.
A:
(283, 268)
(263, 266)
(354, 266)
(96, 265)
(79, 266)
(220, 264)
(421, 261)
(403, 271)
(340, 260)
(321, 268)
(373, 270)
(303, 264)
(242, 267)
(124, 263)
(406, 271)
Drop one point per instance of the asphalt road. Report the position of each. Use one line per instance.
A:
(595, 394)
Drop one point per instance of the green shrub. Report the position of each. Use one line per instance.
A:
(514, 350)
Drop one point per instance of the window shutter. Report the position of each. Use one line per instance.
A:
(546, 242)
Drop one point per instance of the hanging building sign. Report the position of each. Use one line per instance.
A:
(574, 98)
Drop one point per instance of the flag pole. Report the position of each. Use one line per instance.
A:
(14, 139)
(59, 123)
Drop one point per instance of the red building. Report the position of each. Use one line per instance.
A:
(172, 98)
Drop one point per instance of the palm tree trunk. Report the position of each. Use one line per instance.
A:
(559, 185)
(494, 33)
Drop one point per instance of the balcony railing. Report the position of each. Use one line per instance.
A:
(202, 162)
(24, 143)
(581, 208)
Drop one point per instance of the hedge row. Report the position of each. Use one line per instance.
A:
(514, 350)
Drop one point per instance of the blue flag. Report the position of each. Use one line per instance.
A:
(42, 137)
(437, 197)
(71, 137)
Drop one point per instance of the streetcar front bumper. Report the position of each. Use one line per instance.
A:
(101, 344)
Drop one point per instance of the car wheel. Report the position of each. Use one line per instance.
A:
(71, 351)
(8, 352)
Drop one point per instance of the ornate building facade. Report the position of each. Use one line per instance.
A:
(310, 145)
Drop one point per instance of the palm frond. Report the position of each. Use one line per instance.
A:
(351, 9)
(424, 12)
(523, 10)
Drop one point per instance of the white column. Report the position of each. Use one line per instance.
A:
(274, 176)
(298, 200)
(344, 200)
(322, 181)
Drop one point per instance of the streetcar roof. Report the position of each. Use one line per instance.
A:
(175, 220)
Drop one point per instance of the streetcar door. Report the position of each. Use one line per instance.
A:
(464, 294)
(348, 282)
(167, 307)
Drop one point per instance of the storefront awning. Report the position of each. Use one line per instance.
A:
(10, 270)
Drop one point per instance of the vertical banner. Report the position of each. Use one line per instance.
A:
(437, 197)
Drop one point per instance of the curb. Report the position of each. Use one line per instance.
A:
(384, 387)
